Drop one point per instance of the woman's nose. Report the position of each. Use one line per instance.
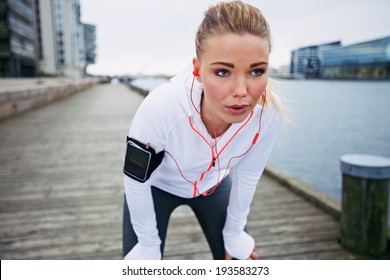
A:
(240, 89)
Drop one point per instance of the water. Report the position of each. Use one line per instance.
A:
(332, 118)
(149, 83)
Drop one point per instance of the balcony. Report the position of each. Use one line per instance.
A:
(22, 9)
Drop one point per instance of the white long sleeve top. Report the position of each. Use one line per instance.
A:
(167, 120)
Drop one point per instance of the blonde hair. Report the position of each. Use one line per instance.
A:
(231, 17)
(239, 18)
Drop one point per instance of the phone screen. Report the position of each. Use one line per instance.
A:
(137, 161)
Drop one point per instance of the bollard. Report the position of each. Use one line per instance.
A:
(365, 192)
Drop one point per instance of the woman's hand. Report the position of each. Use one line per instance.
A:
(252, 256)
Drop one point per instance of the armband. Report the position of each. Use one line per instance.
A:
(141, 160)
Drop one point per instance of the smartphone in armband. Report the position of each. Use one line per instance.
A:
(141, 160)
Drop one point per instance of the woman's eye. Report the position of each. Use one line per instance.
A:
(257, 72)
(222, 73)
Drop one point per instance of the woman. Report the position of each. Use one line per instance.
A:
(187, 135)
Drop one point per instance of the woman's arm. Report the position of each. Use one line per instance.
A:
(143, 219)
(148, 128)
(238, 243)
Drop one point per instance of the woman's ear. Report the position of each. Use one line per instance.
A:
(196, 72)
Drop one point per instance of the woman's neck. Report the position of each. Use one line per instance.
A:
(214, 128)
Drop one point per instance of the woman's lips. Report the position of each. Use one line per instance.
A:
(237, 109)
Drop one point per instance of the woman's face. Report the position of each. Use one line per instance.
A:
(233, 70)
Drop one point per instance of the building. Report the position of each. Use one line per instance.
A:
(44, 38)
(62, 38)
(90, 43)
(307, 61)
(366, 60)
(18, 39)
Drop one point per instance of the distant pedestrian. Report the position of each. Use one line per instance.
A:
(217, 116)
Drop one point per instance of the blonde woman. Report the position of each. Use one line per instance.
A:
(188, 134)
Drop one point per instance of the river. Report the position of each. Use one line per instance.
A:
(332, 118)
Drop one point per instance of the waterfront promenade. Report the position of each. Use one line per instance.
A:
(61, 190)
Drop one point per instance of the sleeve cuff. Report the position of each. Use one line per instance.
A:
(240, 246)
(140, 252)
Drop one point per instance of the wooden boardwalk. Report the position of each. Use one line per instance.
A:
(61, 190)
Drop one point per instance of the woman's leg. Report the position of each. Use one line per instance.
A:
(211, 213)
(129, 238)
(164, 204)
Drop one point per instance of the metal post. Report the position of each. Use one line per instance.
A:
(364, 215)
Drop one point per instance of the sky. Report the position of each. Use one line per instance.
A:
(148, 37)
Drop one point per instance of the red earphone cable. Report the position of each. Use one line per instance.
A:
(210, 191)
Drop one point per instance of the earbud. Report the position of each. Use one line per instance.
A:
(196, 72)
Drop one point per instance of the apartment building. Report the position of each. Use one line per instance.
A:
(44, 38)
